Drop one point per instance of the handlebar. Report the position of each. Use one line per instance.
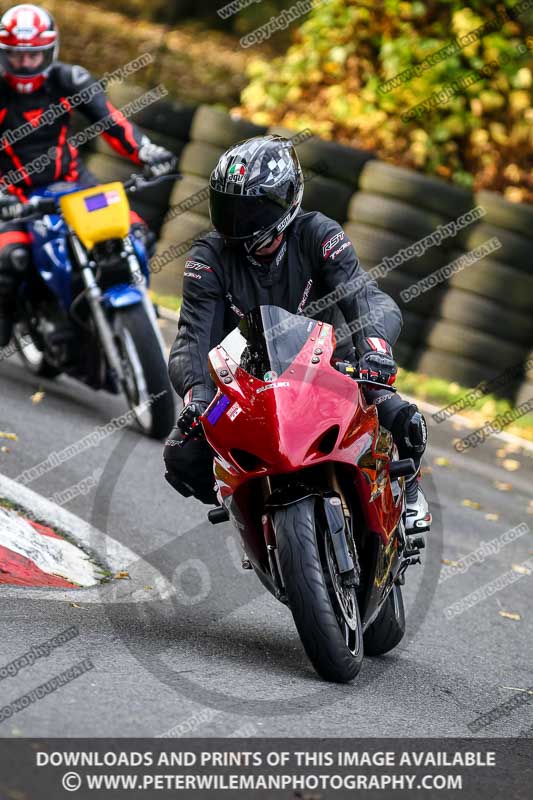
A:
(196, 432)
(137, 182)
(346, 368)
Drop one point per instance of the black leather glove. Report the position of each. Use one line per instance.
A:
(157, 160)
(376, 362)
(188, 419)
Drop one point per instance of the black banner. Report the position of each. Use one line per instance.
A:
(311, 769)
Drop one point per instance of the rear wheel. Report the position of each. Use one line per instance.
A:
(325, 611)
(147, 386)
(33, 358)
(388, 628)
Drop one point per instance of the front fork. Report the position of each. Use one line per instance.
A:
(139, 280)
(94, 299)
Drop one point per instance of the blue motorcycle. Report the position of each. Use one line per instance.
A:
(83, 310)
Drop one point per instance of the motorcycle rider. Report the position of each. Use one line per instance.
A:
(31, 81)
(266, 250)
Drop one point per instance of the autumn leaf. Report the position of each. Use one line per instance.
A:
(503, 487)
(12, 436)
(449, 563)
(471, 504)
(440, 461)
(492, 517)
(511, 465)
(122, 575)
(510, 615)
(520, 569)
(37, 398)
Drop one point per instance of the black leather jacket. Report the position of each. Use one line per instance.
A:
(61, 90)
(221, 284)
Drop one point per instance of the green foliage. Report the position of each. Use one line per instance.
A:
(330, 79)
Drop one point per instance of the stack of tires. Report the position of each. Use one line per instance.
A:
(331, 172)
(394, 209)
(212, 132)
(165, 123)
(485, 321)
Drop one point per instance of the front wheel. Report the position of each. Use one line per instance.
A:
(325, 611)
(146, 385)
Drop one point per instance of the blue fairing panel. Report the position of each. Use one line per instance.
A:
(123, 295)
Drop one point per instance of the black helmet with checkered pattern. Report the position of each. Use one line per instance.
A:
(255, 191)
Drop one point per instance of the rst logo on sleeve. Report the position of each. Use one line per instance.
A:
(194, 268)
(330, 244)
(340, 250)
(197, 266)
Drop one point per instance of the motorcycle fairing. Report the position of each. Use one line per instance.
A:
(296, 412)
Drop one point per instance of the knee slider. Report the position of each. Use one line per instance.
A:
(410, 432)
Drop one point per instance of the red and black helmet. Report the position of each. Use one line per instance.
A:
(29, 44)
(255, 191)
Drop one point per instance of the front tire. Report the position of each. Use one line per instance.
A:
(388, 629)
(334, 648)
(147, 385)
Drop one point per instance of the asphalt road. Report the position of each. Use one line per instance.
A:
(221, 656)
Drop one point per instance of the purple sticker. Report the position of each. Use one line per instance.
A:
(218, 409)
(96, 202)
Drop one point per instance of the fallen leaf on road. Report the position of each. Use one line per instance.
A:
(122, 575)
(471, 504)
(503, 487)
(74, 605)
(5, 449)
(38, 397)
(12, 436)
(502, 452)
(147, 588)
(511, 465)
(440, 461)
(449, 563)
(522, 570)
(492, 517)
(510, 615)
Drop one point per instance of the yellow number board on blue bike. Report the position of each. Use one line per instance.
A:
(97, 214)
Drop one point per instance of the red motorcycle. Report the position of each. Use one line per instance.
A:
(313, 484)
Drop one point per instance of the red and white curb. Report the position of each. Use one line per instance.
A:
(35, 555)
(72, 568)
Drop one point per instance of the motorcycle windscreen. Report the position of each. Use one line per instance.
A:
(268, 341)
